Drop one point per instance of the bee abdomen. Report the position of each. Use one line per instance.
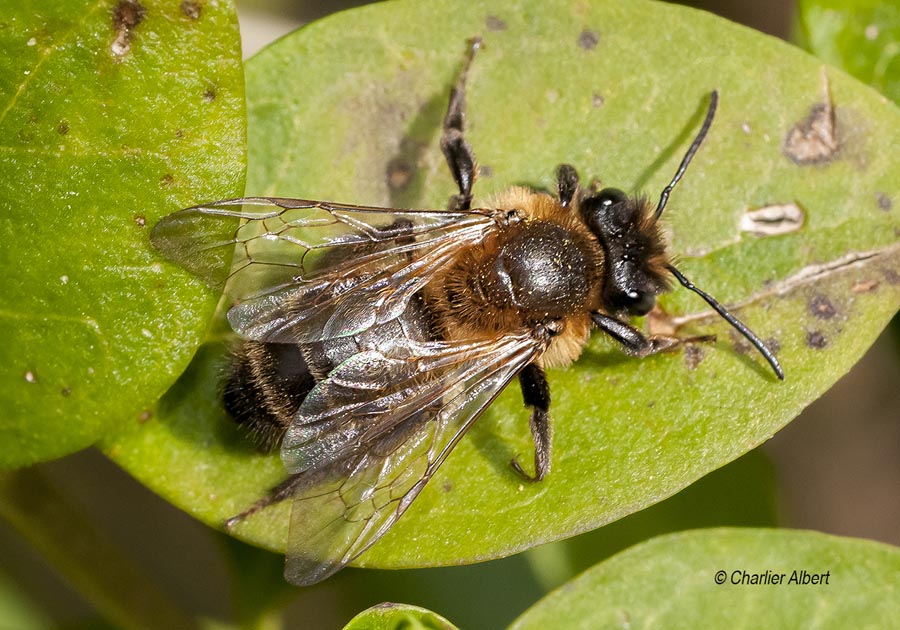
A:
(265, 386)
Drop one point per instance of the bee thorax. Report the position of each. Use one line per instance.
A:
(530, 273)
(541, 271)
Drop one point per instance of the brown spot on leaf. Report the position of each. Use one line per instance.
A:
(66, 391)
(494, 23)
(821, 307)
(127, 15)
(62, 128)
(693, 355)
(140, 220)
(167, 180)
(891, 275)
(740, 344)
(209, 95)
(864, 286)
(588, 39)
(192, 9)
(773, 220)
(399, 174)
(597, 99)
(146, 414)
(179, 133)
(884, 202)
(814, 140)
(816, 340)
(447, 486)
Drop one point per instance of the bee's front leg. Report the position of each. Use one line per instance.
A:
(536, 392)
(459, 154)
(635, 342)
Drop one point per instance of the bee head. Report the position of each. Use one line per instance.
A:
(635, 270)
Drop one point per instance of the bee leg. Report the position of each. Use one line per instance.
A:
(635, 342)
(457, 151)
(536, 392)
(279, 493)
(566, 184)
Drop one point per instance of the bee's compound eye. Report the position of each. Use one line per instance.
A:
(610, 197)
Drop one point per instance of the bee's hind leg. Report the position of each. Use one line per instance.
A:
(459, 154)
(279, 493)
(536, 392)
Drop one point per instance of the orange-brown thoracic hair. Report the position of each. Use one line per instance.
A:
(546, 265)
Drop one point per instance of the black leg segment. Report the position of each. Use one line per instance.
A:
(459, 154)
(634, 341)
(566, 184)
(536, 393)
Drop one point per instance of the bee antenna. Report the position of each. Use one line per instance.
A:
(731, 319)
(707, 123)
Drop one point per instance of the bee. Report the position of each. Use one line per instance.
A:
(373, 338)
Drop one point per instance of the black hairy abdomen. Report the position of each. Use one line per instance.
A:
(265, 387)
(267, 382)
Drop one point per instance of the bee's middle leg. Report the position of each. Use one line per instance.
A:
(536, 392)
(566, 184)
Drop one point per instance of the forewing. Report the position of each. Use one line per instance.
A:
(304, 271)
(368, 438)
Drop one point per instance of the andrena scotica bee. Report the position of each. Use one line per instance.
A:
(373, 338)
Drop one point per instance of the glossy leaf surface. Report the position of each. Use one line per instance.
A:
(111, 116)
(721, 578)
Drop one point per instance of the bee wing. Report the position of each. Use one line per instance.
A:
(369, 437)
(305, 271)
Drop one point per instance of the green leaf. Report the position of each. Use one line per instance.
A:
(350, 109)
(398, 617)
(104, 130)
(739, 494)
(861, 37)
(16, 608)
(670, 582)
